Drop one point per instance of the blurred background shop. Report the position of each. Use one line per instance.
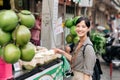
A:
(102, 12)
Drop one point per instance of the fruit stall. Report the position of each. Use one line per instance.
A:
(51, 71)
(19, 58)
(44, 65)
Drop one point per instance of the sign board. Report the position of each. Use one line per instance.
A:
(86, 3)
(17, 66)
(58, 28)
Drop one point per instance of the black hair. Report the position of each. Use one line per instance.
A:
(87, 22)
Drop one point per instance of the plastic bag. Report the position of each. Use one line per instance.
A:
(66, 67)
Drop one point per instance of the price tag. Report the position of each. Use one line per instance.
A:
(17, 66)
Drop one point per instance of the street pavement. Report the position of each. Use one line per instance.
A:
(106, 71)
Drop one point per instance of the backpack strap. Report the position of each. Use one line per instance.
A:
(85, 47)
(97, 64)
(72, 47)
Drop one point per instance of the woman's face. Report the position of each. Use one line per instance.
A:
(82, 29)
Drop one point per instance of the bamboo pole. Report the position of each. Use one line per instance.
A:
(12, 4)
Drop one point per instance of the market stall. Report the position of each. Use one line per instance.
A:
(44, 65)
(50, 71)
(19, 58)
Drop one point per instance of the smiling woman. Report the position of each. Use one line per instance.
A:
(81, 66)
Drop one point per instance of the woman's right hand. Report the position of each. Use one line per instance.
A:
(59, 51)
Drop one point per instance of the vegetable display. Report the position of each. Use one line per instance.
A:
(99, 42)
(15, 35)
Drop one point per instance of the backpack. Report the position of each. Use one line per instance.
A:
(97, 68)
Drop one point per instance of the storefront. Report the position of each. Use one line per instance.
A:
(53, 68)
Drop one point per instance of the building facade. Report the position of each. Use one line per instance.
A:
(99, 13)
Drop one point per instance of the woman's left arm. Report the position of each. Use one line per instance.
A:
(90, 59)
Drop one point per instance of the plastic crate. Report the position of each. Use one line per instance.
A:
(5, 70)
